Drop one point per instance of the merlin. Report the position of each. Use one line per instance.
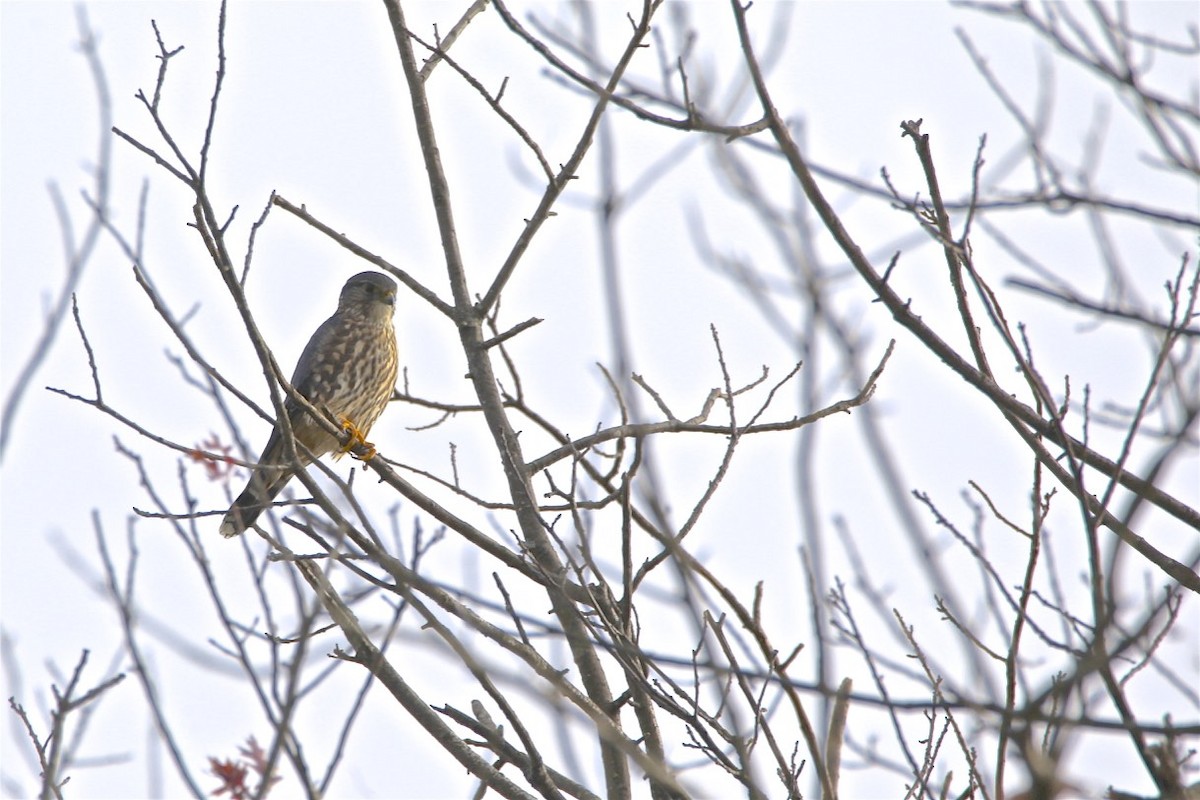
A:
(348, 368)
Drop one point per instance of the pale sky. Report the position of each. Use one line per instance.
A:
(314, 108)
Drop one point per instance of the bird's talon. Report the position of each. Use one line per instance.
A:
(356, 438)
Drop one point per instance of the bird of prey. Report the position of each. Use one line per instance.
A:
(349, 369)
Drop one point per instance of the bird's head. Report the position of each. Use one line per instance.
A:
(369, 294)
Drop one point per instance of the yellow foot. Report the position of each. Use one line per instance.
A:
(356, 438)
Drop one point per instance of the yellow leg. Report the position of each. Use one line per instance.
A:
(356, 438)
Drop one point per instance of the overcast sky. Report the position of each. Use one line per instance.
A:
(315, 109)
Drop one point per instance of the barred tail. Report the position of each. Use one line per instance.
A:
(264, 485)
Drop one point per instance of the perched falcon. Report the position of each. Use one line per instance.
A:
(348, 367)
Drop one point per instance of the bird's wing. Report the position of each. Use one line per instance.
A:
(307, 377)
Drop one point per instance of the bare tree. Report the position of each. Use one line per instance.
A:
(605, 636)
